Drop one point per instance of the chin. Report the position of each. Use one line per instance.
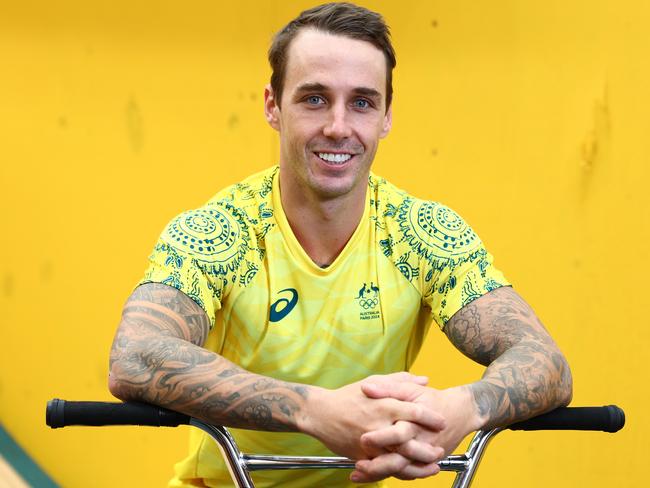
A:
(333, 189)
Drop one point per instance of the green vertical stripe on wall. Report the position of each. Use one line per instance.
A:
(22, 463)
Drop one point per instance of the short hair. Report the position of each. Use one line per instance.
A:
(344, 19)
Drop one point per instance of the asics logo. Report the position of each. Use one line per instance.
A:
(282, 306)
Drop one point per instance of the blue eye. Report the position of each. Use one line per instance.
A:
(361, 103)
(314, 100)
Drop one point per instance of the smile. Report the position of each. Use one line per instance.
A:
(334, 158)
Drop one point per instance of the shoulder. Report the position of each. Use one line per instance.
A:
(253, 190)
(226, 228)
(429, 229)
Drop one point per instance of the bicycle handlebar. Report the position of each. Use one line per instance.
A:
(61, 413)
(607, 419)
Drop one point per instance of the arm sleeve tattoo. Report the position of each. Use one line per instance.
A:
(157, 358)
(526, 373)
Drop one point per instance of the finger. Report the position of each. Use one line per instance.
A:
(371, 450)
(396, 434)
(417, 470)
(419, 452)
(381, 467)
(361, 477)
(386, 389)
(419, 414)
(406, 393)
(406, 377)
(401, 377)
(400, 438)
(409, 472)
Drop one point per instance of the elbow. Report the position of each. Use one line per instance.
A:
(121, 386)
(565, 390)
(128, 375)
(116, 387)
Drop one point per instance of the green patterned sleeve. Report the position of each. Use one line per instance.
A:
(199, 253)
(171, 266)
(461, 280)
(459, 267)
(436, 251)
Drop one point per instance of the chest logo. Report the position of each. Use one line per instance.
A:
(282, 306)
(368, 299)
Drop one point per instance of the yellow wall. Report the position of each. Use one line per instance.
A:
(530, 118)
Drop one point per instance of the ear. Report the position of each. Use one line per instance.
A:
(388, 122)
(271, 108)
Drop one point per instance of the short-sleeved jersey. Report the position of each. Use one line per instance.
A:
(276, 313)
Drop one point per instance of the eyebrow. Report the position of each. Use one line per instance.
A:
(319, 87)
(367, 92)
(310, 87)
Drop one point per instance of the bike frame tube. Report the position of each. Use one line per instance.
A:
(473, 457)
(240, 465)
(230, 452)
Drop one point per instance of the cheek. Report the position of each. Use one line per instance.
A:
(371, 136)
(370, 128)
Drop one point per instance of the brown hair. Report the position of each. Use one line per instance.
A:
(343, 19)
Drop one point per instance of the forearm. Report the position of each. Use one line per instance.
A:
(525, 381)
(526, 373)
(181, 376)
(157, 357)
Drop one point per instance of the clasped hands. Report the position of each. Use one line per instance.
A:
(394, 425)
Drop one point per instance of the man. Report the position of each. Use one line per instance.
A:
(295, 300)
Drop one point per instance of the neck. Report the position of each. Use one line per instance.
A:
(322, 226)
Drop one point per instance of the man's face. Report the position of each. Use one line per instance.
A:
(333, 113)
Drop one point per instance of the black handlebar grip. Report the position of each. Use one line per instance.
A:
(607, 419)
(61, 413)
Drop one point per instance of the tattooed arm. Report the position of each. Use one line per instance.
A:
(526, 375)
(157, 357)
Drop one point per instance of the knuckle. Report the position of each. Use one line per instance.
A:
(419, 452)
(367, 441)
(417, 412)
(406, 430)
(405, 476)
(398, 463)
(375, 469)
(440, 453)
(408, 449)
(411, 472)
(399, 429)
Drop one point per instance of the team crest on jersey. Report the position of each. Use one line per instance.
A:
(368, 299)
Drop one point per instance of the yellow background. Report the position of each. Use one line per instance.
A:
(529, 118)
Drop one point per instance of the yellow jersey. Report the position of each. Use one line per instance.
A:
(275, 312)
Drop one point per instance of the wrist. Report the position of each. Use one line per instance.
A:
(468, 408)
(479, 393)
(309, 420)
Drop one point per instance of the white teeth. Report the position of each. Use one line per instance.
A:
(334, 158)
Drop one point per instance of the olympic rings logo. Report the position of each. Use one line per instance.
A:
(367, 303)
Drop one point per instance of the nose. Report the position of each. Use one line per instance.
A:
(337, 126)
